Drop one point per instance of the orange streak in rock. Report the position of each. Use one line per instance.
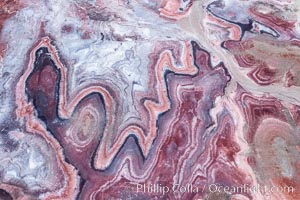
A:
(25, 113)
(104, 157)
(235, 30)
(171, 10)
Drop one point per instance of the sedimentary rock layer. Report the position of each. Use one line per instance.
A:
(164, 99)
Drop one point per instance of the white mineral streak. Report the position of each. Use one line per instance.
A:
(19, 32)
(198, 30)
(26, 158)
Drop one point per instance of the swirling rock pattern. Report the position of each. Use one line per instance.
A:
(162, 99)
